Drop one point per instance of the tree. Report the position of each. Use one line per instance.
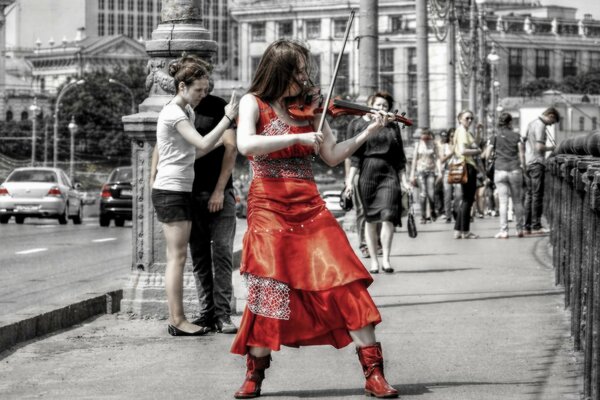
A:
(98, 107)
(585, 83)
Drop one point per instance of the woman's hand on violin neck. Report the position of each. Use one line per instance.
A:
(379, 119)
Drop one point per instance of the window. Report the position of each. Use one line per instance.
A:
(149, 6)
(254, 61)
(120, 24)
(515, 71)
(313, 29)
(130, 5)
(130, 25)
(315, 68)
(285, 29)
(514, 85)
(342, 84)
(257, 32)
(101, 5)
(542, 65)
(594, 64)
(121, 5)
(111, 24)
(386, 70)
(140, 5)
(386, 60)
(24, 116)
(43, 84)
(9, 115)
(581, 123)
(569, 63)
(111, 4)
(101, 25)
(140, 26)
(339, 28)
(150, 24)
(397, 23)
(594, 123)
(412, 83)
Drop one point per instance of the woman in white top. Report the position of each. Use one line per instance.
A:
(178, 144)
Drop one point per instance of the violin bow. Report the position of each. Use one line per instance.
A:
(337, 67)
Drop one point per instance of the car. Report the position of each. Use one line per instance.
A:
(89, 198)
(332, 202)
(116, 197)
(39, 192)
(241, 206)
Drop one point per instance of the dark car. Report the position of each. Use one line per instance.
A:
(116, 197)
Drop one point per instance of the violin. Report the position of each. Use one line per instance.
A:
(311, 104)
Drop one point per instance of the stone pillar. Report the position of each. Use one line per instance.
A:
(3, 97)
(180, 31)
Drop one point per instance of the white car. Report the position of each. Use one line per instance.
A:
(332, 202)
(34, 192)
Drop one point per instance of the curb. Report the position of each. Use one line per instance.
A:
(58, 319)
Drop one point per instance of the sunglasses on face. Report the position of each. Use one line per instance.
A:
(469, 118)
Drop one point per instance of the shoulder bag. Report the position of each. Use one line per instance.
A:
(490, 163)
(410, 221)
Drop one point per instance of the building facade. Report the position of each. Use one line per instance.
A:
(531, 42)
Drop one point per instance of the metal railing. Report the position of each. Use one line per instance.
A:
(572, 204)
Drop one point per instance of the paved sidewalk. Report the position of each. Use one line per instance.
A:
(462, 319)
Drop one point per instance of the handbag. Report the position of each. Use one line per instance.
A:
(410, 221)
(345, 201)
(457, 171)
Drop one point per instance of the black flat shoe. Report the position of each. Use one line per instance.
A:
(174, 331)
(374, 271)
(388, 270)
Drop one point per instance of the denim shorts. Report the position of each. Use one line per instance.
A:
(171, 206)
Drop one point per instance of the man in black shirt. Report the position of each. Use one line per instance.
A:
(213, 221)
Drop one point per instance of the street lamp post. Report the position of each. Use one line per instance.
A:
(73, 128)
(34, 112)
(481, 62)
(56, 107)
(493, 60)
(116, 82)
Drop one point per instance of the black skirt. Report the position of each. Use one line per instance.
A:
(379, 190)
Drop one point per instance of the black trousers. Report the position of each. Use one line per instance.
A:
(463, 217)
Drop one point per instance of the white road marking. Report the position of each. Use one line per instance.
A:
(104, 240)
(30, 251)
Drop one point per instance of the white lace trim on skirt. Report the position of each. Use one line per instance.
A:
(268, 297)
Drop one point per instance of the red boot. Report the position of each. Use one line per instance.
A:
(255, 374)
(371, 360)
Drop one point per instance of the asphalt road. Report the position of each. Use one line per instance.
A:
(44, 265)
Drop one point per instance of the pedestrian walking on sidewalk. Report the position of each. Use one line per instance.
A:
(305, 284)
(213, 220)
(425, 172)
(508, 176)
(380, 165)
(452, 191)
(535, 168)
(465, 148)
(178, 144)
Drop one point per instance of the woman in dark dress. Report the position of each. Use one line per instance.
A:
(380, 163)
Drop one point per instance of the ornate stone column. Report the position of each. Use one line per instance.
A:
(180, 31)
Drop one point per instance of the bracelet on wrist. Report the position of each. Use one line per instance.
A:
(231, 121)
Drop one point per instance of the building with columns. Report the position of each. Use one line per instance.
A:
(531, 42)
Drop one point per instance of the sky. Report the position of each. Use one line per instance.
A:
(582, 6)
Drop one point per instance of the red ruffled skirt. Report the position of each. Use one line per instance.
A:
(305, 284)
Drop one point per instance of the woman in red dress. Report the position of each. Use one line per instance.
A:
(305, 284)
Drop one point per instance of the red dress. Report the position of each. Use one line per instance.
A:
(305, 284)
